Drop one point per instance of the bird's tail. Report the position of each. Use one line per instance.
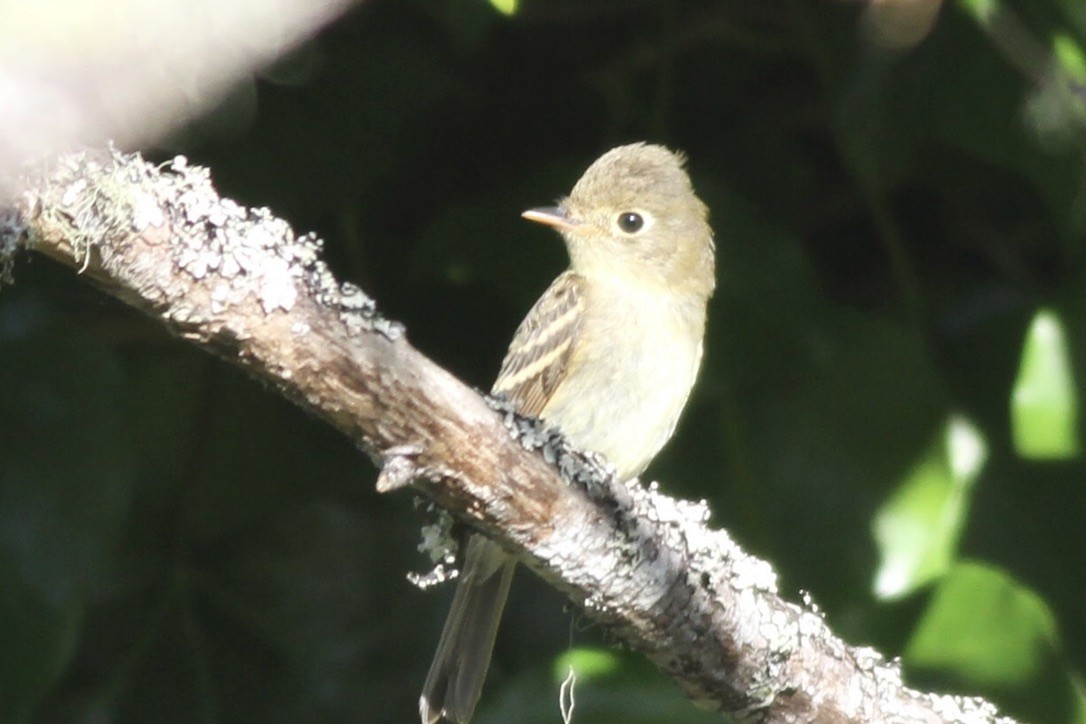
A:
(463, 654)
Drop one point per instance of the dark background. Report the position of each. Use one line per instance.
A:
(178, 544)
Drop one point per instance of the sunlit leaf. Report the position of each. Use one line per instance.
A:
(981, 9)
(986, 627)
(1069, 53)
(1044, 406)
(505, 7)
(917, 530)
(586, 663)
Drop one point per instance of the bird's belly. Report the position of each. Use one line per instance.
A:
(629, 410)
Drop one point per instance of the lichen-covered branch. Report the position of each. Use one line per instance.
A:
(240, 283)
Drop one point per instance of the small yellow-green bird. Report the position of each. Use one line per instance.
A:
(608, 355)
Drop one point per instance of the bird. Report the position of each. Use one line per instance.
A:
(608, 355)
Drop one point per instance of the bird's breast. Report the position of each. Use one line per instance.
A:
(631, 374)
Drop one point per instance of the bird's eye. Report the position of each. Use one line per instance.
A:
(630, 222)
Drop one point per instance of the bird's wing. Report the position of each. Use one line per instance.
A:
(541, 351)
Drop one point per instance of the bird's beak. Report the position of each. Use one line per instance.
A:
(556, 216)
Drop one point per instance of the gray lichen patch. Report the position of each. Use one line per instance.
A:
(100, 197)
(12, 236)
(585, 469)
(98, 206)
(249, 249)
(439, 544)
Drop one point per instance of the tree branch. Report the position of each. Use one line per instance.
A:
(238, 282)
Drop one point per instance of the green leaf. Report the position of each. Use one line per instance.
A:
(982, 10)
(587, 663)
(505, 7)
(1070, 56)
(918, 529)
(986, 626)
(1044, 406)
(992, 636)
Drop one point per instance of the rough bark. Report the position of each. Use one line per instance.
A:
(241, 284)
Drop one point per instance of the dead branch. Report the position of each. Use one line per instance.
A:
(238, 282)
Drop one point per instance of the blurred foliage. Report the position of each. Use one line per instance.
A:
(879, 413)
(1044, 408)
(918, 528)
